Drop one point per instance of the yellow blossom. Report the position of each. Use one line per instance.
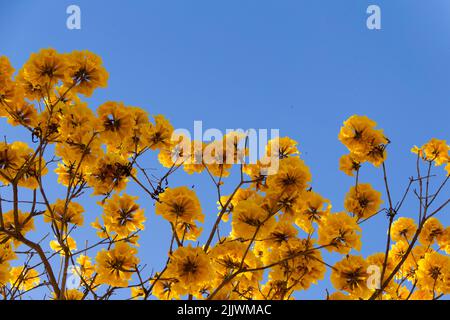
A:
(24, 278)
(192, 269)
(116, 266)
(363, 201)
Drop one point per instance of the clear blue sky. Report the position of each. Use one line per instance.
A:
(300, 66)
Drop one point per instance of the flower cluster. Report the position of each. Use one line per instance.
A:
(272, 233)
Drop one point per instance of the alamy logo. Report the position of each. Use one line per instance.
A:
(73, 21)
(374, 20)
(235, 146)
(374, 278)
(74, 280)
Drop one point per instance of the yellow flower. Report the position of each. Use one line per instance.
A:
(23, 278)
(45, 68)
(259, 171)
(432, 228)
(227, 258)
(313, 208)
(77, 120)
(26, 224)
(164, 289)
(101, 230)
(285, 147)
(22, 113)
(436, 150)
(288, 203)
(377, 154)
(363, 201)
(116, 266)
(10, 162)
(422, 295)
(358, 134)
(350, 274)
(81, 150)
(219, 157)
(377, 259)
(4, 273)
(159, 135)
(191, 267)
(349, 163)
(6, 70)
(62, 96)
(10, 94)
(410, 265)
(68, 241)
(22, 88)
(116, 121)
(409, 268)
(13, 158)
(140, 118)
(62, 214)
(73, 294)
(194, 161)
(6, 255)
(178, 153)
(121, 214)
(396, 292)
(398, 250)
(109, 173)
(293, 175)
(433, 273)
(274, 290)
(361, 138)
(188, 231)
(134, 142)
(443, 240)
(179, 205)
(48, 125)
(85, 72)
(339, 295)
(302, 264)
(137, 292)
(415, 149)
(68, 174)
(239, 195)
(282, 233)
(70, 294)
(339, 232)
(403, 229)
(86, 268)
(250, 218)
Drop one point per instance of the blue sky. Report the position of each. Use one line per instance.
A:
(300, 66)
